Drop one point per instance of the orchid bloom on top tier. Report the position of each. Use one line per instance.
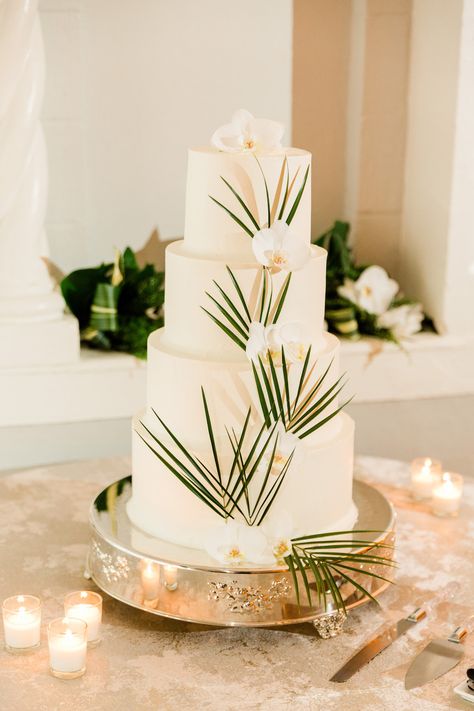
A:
(279, 248)
(373, 291)
(267, 341)
(247, 133)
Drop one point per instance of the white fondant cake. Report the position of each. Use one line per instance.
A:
(191, 352)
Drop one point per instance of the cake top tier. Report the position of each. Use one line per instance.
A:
(234, 192)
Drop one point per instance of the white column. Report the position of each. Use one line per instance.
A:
(33, 328)
(438, 214)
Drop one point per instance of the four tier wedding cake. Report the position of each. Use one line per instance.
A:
(243, 444)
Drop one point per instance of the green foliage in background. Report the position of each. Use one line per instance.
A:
(117, 305)
(345, 318)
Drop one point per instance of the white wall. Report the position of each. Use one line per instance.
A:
(130, 85)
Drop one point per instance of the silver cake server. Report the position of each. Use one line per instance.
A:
(437, 658)
(377, 644)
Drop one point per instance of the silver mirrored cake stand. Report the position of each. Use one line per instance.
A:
(186, 584)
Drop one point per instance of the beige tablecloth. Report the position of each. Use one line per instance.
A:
(145, 662)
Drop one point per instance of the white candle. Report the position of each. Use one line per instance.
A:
(150, 577)
(87, 606)
(67, 638)
(171, 577)
(22, 622)
(89, 614)
(447, 496)
(425, 474)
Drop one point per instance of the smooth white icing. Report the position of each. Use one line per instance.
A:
(188, 278)
(208, 229)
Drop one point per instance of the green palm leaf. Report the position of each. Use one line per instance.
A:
(327, 419)
(233, 307)
(263, 403)
(234, 217)
(267, 196)
(297, 201)
(244, 333)
(226, 330)
(301, 380)
(285, 194)
(242, 203)
(281, 298)
(239, 293)
(318, 552)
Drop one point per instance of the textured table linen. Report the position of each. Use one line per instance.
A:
(147, 662)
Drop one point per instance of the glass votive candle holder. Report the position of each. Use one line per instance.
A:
(67, 640)
(87, 606)
(425, 475)
(170, 573)
(21, 623)
(447, 495)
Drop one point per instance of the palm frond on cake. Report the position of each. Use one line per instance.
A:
(277, 206)
(302, 413)
(226, 492)
(325, 561)
(298, 411)
(233, 314)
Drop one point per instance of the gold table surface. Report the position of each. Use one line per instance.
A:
(146, 662)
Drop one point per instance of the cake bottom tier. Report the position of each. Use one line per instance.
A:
(316, 492)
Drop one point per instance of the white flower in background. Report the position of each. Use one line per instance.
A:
(278, 247)
(373, 291)
(279, 531)
(247, 133)
(234, 543)
(266, 341)
(403, 321)
(287, 444)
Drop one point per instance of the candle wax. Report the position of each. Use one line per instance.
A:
(67, 652)
(91, 615)
(446, 498)
(22, 629)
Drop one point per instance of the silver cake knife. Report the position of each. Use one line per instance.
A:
(377, 644)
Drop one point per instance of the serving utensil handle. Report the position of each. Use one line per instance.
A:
(460, 632)
(418, 614)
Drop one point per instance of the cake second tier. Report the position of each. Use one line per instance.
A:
(191, 330)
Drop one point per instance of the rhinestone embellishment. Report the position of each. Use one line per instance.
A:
(330, 625)
(114, 567)
(243, 600)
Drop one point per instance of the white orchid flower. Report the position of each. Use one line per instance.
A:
(403, 321)
(235, 543)
(289, 336)
(267, 341)
(279, 248)
(279, 531)
(257, 345)
(287, 444)
(247, 133)
(373, 291)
